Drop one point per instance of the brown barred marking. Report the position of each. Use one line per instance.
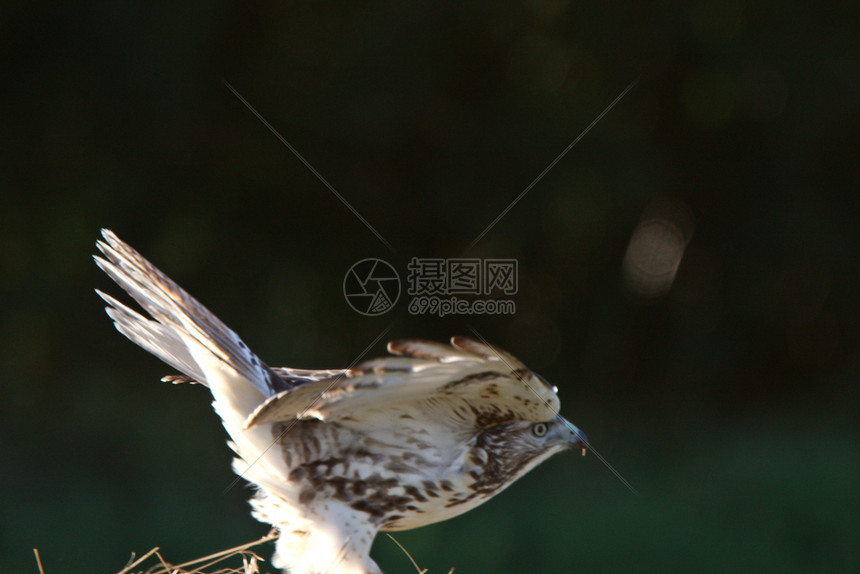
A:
(483, 376)
(415, 493)
(297, 474)
(307, 496)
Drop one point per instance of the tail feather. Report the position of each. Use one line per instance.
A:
(159, 340)
(171, 305)
(187, 336)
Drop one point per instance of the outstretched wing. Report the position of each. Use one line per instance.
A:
(475, 383)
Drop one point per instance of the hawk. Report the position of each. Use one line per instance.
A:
(339, 455)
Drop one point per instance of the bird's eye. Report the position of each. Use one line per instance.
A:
(539, 429)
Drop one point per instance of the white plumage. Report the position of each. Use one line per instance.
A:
(337, 455)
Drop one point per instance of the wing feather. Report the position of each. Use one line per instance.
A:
(473, 376)
(428, 350)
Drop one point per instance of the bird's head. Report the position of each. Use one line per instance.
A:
(512, 449)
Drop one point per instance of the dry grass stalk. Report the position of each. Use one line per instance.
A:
(205, 564)
(210, 564)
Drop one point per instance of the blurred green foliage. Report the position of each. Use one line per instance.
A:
(730, 402)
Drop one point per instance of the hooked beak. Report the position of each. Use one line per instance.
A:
(570, 436)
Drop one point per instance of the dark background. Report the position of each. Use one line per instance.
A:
(730, 401)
